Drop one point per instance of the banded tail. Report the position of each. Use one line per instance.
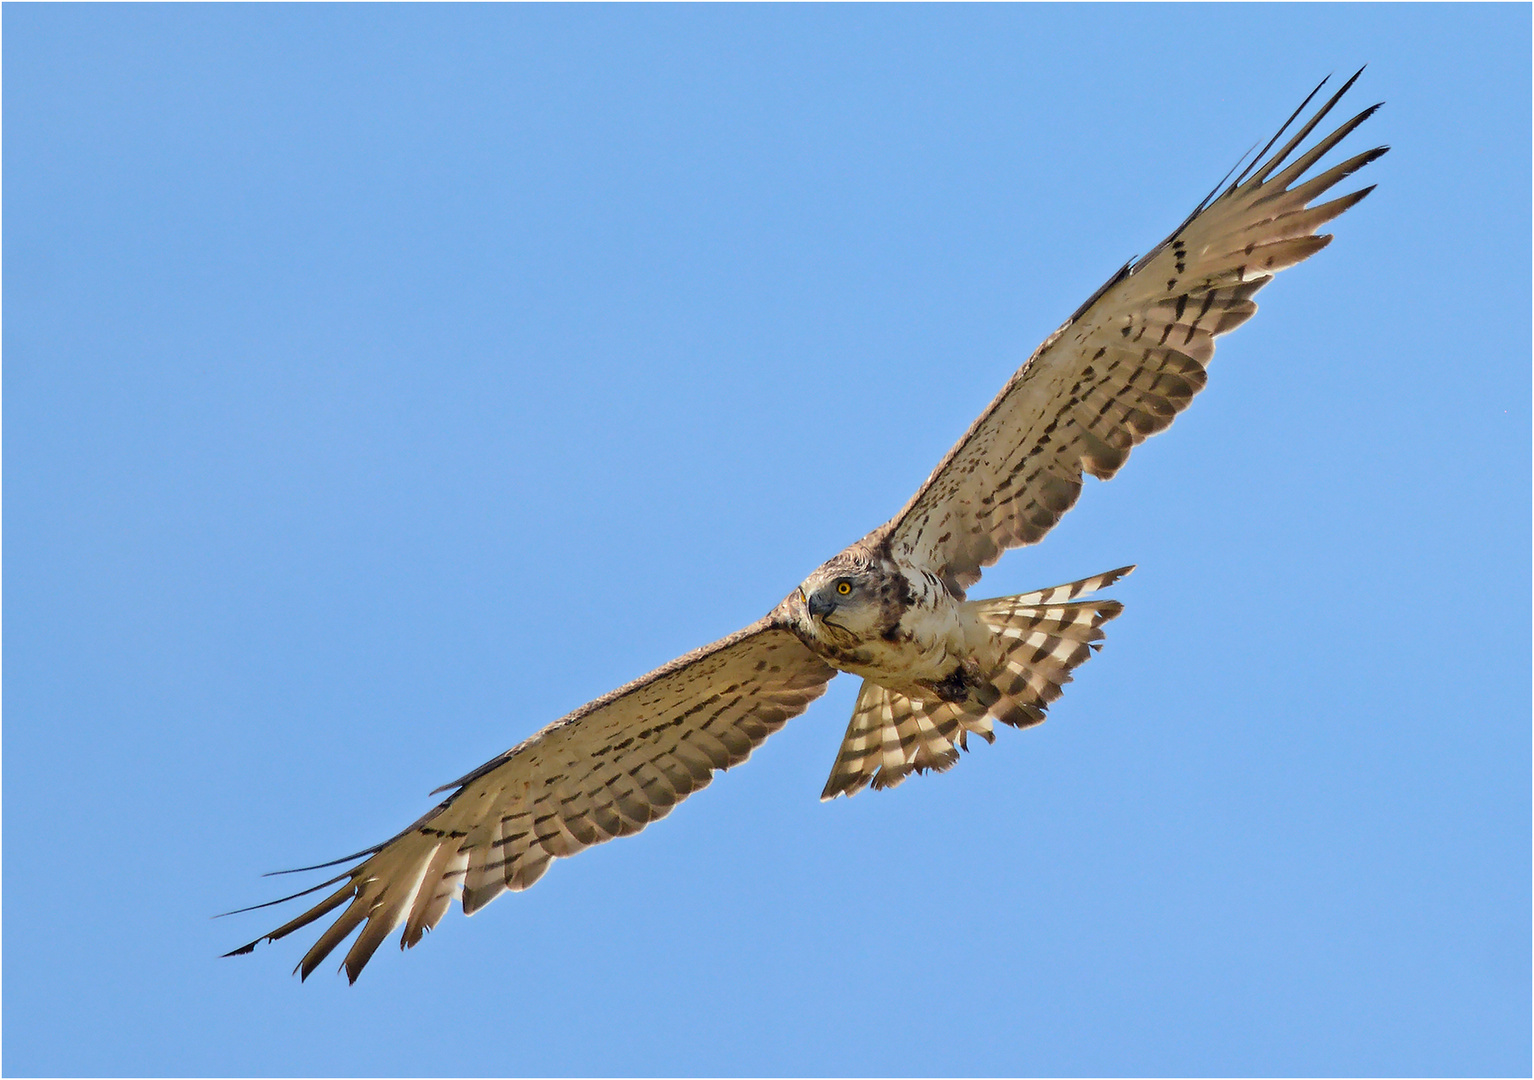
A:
(1040, 638)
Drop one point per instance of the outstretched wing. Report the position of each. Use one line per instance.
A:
(608, 769)
(1124, 365)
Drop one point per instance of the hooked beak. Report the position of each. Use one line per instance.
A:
(820, 606)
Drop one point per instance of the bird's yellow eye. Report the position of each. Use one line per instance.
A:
(844, 587)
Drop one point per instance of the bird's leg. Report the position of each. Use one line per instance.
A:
(959, 684)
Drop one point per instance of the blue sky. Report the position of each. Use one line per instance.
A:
(382, 383)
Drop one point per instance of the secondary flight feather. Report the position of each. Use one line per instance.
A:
(937, 667)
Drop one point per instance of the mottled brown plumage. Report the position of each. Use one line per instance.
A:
(892, 607)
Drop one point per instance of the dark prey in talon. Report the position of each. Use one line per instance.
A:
(937, 667)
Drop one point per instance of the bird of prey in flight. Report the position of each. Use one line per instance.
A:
(937, 667)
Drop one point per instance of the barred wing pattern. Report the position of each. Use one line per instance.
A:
(607, 769)
(1041, 637)
(1124, 365)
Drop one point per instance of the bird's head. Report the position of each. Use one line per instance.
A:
(844, 599)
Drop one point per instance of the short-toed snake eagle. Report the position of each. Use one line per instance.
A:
(936, 666)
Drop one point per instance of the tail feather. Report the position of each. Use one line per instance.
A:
(1061, 593)
(1039, 638)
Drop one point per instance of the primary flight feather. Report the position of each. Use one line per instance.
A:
(936, 666)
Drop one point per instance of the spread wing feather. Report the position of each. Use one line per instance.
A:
(1124, 365)
(608, 769)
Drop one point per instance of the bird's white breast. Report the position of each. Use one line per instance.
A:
(930, 642)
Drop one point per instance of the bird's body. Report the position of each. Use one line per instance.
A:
(936, 667)
(891, 608)
(897, 625)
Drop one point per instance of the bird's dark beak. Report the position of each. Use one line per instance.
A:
(820, 606)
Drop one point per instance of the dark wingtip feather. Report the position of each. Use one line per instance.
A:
(364, 853)
(318, 911)
(1365, 114)
(1267, 167)
(1347, 202)
(353, 968)
(1257, 160)
(283, 899)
